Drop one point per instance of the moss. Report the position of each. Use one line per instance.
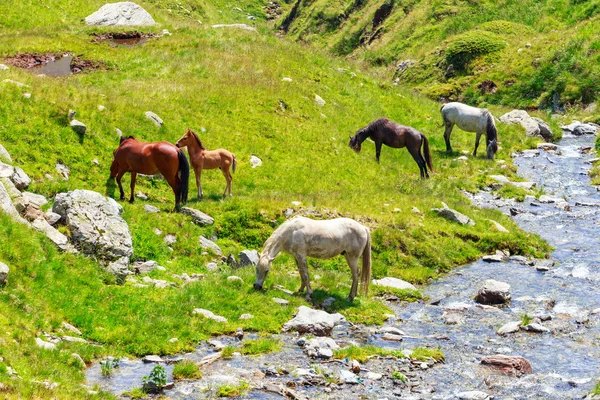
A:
(466, 47)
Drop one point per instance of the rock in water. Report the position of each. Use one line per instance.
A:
(124, 14)
(510, 365)
(320, 347)
(95, 224)
(316, 322)
(394, 283)
(510, 327)
(493, 292)
(4, 270)
(473, 395)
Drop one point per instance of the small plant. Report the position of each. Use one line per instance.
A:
(424, 354)
(135, 394)
(156, 381)
(525, 319)
(233, 390)
(260, 346)
(186, 369)
(109, 365)
(399, 376)
(227, 352)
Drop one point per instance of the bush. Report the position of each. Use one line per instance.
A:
(186, 369)
(464, 48)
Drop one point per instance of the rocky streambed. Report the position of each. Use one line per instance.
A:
(552, 319)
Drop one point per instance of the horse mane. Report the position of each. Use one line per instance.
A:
(491, 132)
(122, 138)
(365, 132)
(197, 139)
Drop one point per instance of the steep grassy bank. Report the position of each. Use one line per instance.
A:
(536, 54)
(230, 83)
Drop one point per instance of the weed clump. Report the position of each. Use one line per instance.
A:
(466, 47)
(186, 369)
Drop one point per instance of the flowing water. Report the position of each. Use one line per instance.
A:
(565, 361)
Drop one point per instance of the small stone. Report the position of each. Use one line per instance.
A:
(374, 376)
(210, 245)
(296, 203)
(154, 118)
(348, 377)
(73, 339)
(394, 283)
(239, 334)
(212, 266)
(473, 395)
(157, 231)
(217, 344)
(96, 162)
(283, 302)
(152, 359)
(71, 328)
(173, 340)
(101, 108)
(78, 127)
(170, 239)
(27, 95)
(246, 316)
(319, 100)
(535, 327)
(63, 170)
(493, 258)
(145, 267)
(255, 161)
(151, 209)
(234, 278)
(391, 337)
(45, 345)
(316, 322)
(354, 366)
(453, 216)
(4, 270)
(415, 210)
(77, 360)
(286, 79)
(3, 67)
(392, 330)
(198, 216)
(510, 327)
(141, 196)
(209, 314)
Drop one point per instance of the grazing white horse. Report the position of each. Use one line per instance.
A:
(470, 119)
(303, 237)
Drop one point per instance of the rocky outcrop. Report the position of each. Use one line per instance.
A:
(316, 322)
(533, 126)
(96, 226)
(493, 292)
(120, 14)
(509, 365)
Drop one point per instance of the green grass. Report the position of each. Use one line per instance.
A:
(364, 353)
(233, 390)
(228, 82)
(186, 369)
(260, 346)
(425, 353)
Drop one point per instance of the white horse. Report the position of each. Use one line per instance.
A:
(470, 119)
(303, 237)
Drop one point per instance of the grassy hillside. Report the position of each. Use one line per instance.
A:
(538, 54)
(230, 83)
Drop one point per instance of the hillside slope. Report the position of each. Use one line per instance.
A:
(230, 83)
(528, 54)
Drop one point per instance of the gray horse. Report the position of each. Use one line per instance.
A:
(470, 119)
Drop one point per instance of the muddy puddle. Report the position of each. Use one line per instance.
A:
(124, 39)
(53, 64)
(565, 359)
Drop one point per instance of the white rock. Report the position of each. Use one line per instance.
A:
(63, 170)
(209, 314)
(317, 322)
(286, 79)
(152, 359)
(473, 395)
(394, 283)
(374, 376)
(391, 329)
(73, 339)
(4, 270)
(170, 239)
(246, 316)
(212, 266)
(120, 14)
(255, 161)
(37, 200)
(45, 345)
(101, 108)
(234, 278)
(510, 327)
(5, 155)
(198, 216)
(210, 245)
(4, 67)
(151, 209)
(283, 302)
(78, 126)
(71, 328)
(319, 100)
(154, 118)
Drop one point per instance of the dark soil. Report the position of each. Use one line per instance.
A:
(99, 37)
(37, 60)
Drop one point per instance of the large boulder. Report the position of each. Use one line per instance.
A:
(577, 128)
(122, 14)
(6, 204)
(5, 155)
(493, 292)
(316, 322)
(533, 126)
(509, 365)
(95, 224)
(248, 257)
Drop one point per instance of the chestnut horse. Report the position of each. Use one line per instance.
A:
(207, 159)
(149, 159)
(383, 131)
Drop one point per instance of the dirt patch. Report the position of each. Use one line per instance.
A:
(487, 86)
(54, 64)
(124, 39)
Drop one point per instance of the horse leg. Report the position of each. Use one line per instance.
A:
(175, 184)
(227, 176)
(198, 182)
(476, 143)
(303, 269)
(416, 155)
(119, 177)
(132, 186)
(447, 133)
(353, 264)
(378, 150)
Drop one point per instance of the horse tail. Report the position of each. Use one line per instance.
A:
(234, 164)
(443, 117)
(426, 152)
(365, 277)
(184, 169)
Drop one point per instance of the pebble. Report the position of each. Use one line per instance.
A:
(283, 302)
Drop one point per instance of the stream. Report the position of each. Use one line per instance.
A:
(565, 360)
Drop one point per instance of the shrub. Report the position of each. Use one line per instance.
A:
(157, 379)
(464, 48)
(186, 369)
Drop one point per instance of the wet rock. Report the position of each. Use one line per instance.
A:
(391, 330)
(493, 292)
(144, 267)
(509, 365)
(473, 395)
(4, 155)
(248, 257)
(578, 129)
(154, 118)
(394, 283)
(4, 270)
(511, 327)
(543, 265)
(210, 245)
(152, 359)
(320, 347)
(547, 146)
(452, 318)
(316, 322)
(392, 337)
(209, 314)
(78, 126)
(255, 161)
(453, 216)
(217, 344)
(151, 209)
(348, 377)
(236, 26)
(521, 260)
(44, 345)
(493, 258)
(120, 14)
(198, 216)
(282, 302)
(95, 224)
(535, 327)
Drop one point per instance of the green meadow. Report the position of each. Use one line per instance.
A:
(226, 84)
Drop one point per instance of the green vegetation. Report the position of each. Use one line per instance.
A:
(397, 375)
(107, 366)
(228, 351)
(526, 319)
(363, 353)
(426, 353)
(186, 369)
(157, 377)
(233, 390)
(227, 82)
(260, 346)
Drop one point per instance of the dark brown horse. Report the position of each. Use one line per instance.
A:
(150, 159)
(383, 131)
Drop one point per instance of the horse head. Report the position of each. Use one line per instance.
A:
(492, 148)
(185, 139)
(262, 269)
(355, 143)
